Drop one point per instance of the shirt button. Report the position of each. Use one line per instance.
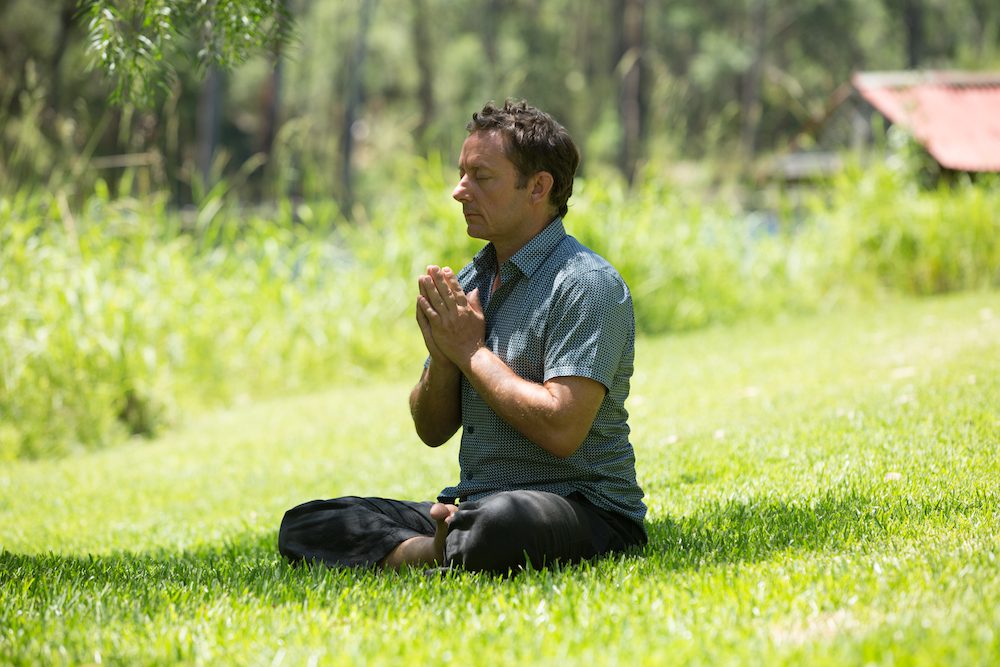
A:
(472, 429)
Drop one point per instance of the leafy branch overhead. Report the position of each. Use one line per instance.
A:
(136, 42)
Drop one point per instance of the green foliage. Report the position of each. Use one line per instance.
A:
(39, 146)
(113, 320)
(138, 43)
(822, 491)
(882, 228)
(714, 76)
(691, 264)
(125, 315)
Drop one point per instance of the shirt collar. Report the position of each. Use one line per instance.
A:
(532, 254)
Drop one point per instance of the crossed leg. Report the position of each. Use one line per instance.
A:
(507, 531)
(421, 550)
(500, 533)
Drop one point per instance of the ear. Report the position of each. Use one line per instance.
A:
(541, 187)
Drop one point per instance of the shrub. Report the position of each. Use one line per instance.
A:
(118, 318)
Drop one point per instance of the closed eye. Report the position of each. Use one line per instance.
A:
(475, 174)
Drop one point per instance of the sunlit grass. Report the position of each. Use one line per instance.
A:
(822, 490)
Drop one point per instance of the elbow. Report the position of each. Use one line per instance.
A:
(566, 451)
(562, 445)
(434, 435)
(433, 430)
(433, 439)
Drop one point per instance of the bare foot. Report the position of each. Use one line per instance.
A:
(423, 551)
(442, 513)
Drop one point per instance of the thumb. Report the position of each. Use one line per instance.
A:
(473, 298)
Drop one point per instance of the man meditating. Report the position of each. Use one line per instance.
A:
(530, 352)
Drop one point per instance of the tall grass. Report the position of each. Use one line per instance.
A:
(115, 320)
(866, 234)
(120, 316)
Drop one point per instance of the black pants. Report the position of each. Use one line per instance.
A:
(501, 533)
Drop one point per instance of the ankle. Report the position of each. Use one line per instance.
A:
(418, 550)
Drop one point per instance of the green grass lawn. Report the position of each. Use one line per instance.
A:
(821, 491)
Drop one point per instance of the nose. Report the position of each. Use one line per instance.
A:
(461, 191)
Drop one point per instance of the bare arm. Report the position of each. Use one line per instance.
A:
(556, 415)
(435, 402)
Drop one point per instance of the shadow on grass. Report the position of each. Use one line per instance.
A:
(249, 566)
(753, 530)
(149, 583)
(247, 558)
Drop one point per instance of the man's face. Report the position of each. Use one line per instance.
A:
(495, 208)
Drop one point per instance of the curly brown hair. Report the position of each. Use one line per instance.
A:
(534, 142)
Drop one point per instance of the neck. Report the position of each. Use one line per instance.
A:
(507, 250)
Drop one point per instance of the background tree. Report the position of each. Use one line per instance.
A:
(138, 43)
(329, 99)
(632, 102)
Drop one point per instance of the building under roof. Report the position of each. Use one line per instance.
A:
(954, 115)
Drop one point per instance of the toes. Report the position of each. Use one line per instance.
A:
(443, 512)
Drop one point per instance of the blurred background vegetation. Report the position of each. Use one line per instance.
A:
(327, 98)
(205, 202)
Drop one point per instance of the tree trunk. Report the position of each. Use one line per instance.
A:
(207, 124)
(271, 101)
(630, 105)
(66, 16)
(271, 107)
(911, 13)
(750, 105)
(913, 17)
(355, 98)
(490, 29)
(422, 50)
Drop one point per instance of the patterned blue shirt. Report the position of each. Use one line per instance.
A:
(561, 310)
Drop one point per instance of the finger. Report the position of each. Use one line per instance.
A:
(422, 320)
(444, 291)
(429, 291)
(426, 281)
(422, 284)
(426, 332)
(455, 287)
(473, 300)
(434, 274)
(426, 310)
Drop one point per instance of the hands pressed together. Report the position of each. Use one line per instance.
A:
(556, 415)
(451, 320)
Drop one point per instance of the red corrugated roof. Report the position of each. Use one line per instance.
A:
(954, 115)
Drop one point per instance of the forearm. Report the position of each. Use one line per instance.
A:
(541, 412)
(556, 415)
(435, 403)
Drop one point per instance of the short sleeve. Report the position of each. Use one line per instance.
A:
(591, 325)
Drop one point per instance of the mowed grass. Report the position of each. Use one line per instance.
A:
(821, 491)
